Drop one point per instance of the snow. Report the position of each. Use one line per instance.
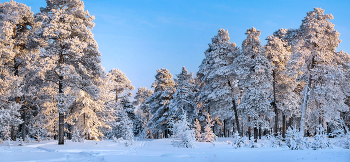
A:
(162, 150)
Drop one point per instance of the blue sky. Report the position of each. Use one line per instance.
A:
(139, 37)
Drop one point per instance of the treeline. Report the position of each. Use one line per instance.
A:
(52, 83)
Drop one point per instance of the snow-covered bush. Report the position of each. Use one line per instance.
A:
(272, 141)
(20, 141)
(294, 140)
(251, 143)
(1, 141)
(346, 141)
(238, 141)
(181, 129)
(76, 137)
(9, 142)
(38, 136)
(117, 140)
(320, 139)
(27, 139)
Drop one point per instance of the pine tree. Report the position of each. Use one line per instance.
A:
(143, 109)
(70, 44)
(317, 64)
(76, 137)
(17, 52)
(86, 116)
(120, 84)
(181, 129)
(208, 135)
(183, 98)
(320, 139)
(197, 130)
(217, 91)
(256, 81)
(159, 101)
(125, 126)
(285, 100)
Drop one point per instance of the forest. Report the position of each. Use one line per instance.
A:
(53, 85)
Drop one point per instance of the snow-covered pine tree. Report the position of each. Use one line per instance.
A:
(208, 135)
(120, 84)
(319, 71)
(159, 102)
(17, 50)
(125, 127)
(70, 44)
(184, 98)
(85, 115)
(320, 139)
(197, 130)
(181, 129)
(27, 139)
(285, 100)
(256, 80)
(217, 90)
(142, 95)
(130, 110)
(143, 111)
(295, 140)
(77, 137)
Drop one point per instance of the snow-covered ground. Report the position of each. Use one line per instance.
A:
(161, 150)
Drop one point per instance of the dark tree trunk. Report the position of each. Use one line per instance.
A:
(284, 126)
(249, 133)
(235, 111)
(60, 117)
(14, 128)
(256, 134)
(224, 128)
(259, 132)
(61, 129)
(233, 126)
(291, 122)
(24, 125)
(274, 101)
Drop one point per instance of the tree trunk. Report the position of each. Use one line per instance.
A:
(14, 128)
(291, 122)
(259, 132)
(24, 125)
(305, 99)
(224, 128)
(274, 102)
(249, 133)
(61, 129)
(235, 110)
(60, 117)
(284, 126)
(256, 134)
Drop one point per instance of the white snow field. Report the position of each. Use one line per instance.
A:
(161, 150)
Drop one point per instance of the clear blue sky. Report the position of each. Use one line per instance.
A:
(139, 37)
